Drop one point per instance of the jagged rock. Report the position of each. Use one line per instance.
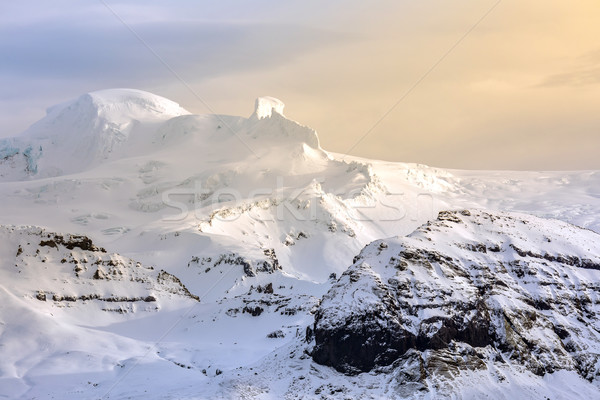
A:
(68, 276)
(71, 242)
(254, 311)
(502, 283)
(99, 274)
(276, 334)
(250, 266)
(248, 270)
(174, 285)
(268, 289)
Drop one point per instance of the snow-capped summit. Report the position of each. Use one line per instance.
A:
(268, 122)
(81, 133)
(116, 124)
(107, 115)
(111, 104)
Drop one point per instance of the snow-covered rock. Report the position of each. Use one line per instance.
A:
(65, 268)
(480, 286)
(264, 107)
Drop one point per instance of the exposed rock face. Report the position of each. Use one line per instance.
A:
(71, 242)
(251, 267)
(172, 284)
(71, 268)
(465, 289)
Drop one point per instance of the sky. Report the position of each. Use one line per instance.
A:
(465, 84)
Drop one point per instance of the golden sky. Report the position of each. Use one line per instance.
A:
(520, 91)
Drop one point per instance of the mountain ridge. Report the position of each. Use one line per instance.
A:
(274, 234)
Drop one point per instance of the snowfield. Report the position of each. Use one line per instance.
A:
(150, 253)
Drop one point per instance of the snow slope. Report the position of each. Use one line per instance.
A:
(58, 294)
(81, 133)
(250, 214)
(472, 305)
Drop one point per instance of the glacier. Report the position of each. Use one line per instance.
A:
(260, 254)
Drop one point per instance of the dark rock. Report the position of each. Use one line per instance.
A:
(254, 311)
(441, 314)
(268, 288)
(99, 274)
(449, 216)
(71, 242)
(302, 235)
(48, 243)
(276, 334)
(561, 332)
(309, 335)
(371, 340)
(176, 286)
(247, 268)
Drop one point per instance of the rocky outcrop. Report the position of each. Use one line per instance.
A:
(251, 267)
(71, 270)
(173, 284)
(70, 242)
(465, 289)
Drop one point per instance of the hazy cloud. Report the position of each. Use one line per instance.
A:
(587, 73)
(106, 52)
(575, 78)
(48, 56)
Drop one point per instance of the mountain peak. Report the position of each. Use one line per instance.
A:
(120, 105)
(264, 107)
(82, 132)
(106, 125)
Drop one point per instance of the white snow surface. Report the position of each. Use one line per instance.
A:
(81, 133)
(265, 106)
(214, 200)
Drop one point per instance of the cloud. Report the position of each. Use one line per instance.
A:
(48, 56)
(586, 73)
(581, 77)
(107, 52)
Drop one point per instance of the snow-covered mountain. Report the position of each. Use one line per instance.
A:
(477, 287)
(254, 219)
(474, 304)
(81, 133)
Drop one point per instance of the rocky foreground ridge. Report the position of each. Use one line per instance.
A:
(465, 291)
